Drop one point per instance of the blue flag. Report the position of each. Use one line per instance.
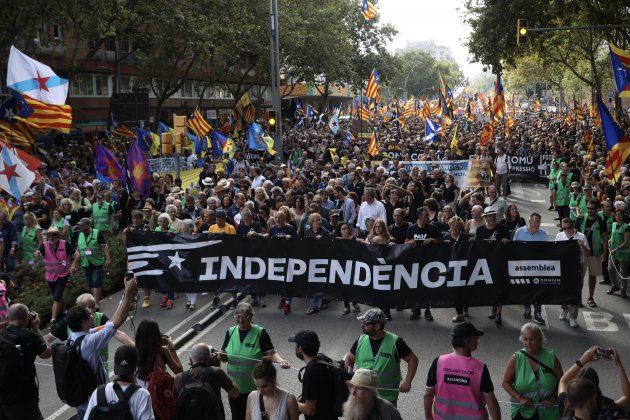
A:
(309, 111)
(163, 128)
(145, 141)
(218, 141)
(431, 130)
(15, 106)
(255, 139)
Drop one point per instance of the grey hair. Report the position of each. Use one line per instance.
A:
(530, 326)
(164, 216)
(244, 307)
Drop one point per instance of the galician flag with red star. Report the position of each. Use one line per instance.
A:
(15, 177)
(334, 123)
(35, 79)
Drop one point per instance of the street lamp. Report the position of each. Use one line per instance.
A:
(432, 89)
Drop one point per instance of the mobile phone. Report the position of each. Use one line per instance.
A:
(129, 274)
(601, 353)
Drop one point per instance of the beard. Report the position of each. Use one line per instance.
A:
(354, 409)
(299, 354)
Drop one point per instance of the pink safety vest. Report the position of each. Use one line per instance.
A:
(458, 389)
(56, 265)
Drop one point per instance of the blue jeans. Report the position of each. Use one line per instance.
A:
(537, 308)
(313, 302)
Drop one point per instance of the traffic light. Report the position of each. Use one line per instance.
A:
(273, 121)
(521, 31)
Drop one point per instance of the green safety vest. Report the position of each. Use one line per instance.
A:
(569, 176)
(59, 225)
(104, 351)
(597, 247)
(536, 390)
(115, 205)
(28, 243)
(98, 256)
(608, 220)
(575, 201)
(553, 177)
(101, 217)
(562, 193)
(240, 369)
(159, 229)
(617, 234)
(384, 364)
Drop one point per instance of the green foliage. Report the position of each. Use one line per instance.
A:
(34, 292)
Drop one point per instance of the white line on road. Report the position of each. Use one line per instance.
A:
(538, 201)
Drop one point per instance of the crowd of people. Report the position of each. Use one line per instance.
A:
(327, 188)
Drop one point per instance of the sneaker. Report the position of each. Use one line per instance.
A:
(192, 307)
(146, 302)
(458, 318)
(323, 305)
(527, 314)
(497, 319)
(215, 303)
(563, 315)
(573, 323)
(233, 304)
(427, 315)
(493, 314)
(356, 308)
(388, 317)
(538, 319)
(163, 301)
(282, 303)
(415, 315)
(286, 309)
(550, 208)
(345, 311)
(169, 304)
(187, 304)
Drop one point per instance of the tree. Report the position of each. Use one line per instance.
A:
(419, 74)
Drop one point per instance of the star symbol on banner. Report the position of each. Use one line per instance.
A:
(8, 114)
(9, 172)
(41, 81)
(176, 260)
(334, 123)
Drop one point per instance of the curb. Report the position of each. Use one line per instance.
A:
(204, 322)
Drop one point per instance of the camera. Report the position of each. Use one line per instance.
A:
(129, 274)
(601, 353)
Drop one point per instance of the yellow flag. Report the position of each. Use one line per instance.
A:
(454, 143)
(269, 141)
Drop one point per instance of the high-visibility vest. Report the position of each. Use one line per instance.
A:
(28, 243)
(57, 263)
(616, 238)
(243, 357)
(384, 363)
(597, 246)
(536, 388)
(97, 257)
(101, 217)
(458, 389)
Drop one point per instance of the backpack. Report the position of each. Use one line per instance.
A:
(340, 375)
(161, 385)
(73, 375)
(12, 366)
(198, 400)
(106, 410)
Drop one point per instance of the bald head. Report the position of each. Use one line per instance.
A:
(200, 353)
(18, 312)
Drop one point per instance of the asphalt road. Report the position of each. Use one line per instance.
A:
(607, 326)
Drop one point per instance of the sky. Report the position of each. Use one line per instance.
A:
(421, 20)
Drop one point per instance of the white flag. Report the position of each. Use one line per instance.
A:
(35, 79)
(333, 124)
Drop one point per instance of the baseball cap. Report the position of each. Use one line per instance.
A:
(372, 316)
(575, 184)
(125, 360)
(466, 330)
(307, 339)
(488, 211)
(84, 221)
(363, 378)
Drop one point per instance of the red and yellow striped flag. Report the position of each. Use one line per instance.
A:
(198, 124)
(45, 116)
(365, 113)
(373, 146)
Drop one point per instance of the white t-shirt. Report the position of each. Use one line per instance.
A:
(376, 210)
(577, 236)
(139, 404)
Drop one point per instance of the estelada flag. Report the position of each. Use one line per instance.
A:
(486, 135)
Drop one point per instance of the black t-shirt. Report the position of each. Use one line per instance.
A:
(497, 234)
(39, 210)
(402, 349)
(32, 345)
(265, 340)
(589, 228)
(243, 230)
(420, 234)
(319, 385)
(486, 381)
(399, 233)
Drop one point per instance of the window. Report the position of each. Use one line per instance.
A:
(56, 29)
(82, 85)
(126, 84)
(101, 84)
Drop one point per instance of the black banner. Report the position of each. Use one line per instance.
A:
(529, 166)
(440, 275)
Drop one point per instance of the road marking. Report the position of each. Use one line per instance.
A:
(538, 201)
(543, 313)
(599, 321)
(538, 194)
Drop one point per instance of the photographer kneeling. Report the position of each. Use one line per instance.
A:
(20, 343)
(606, 407)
